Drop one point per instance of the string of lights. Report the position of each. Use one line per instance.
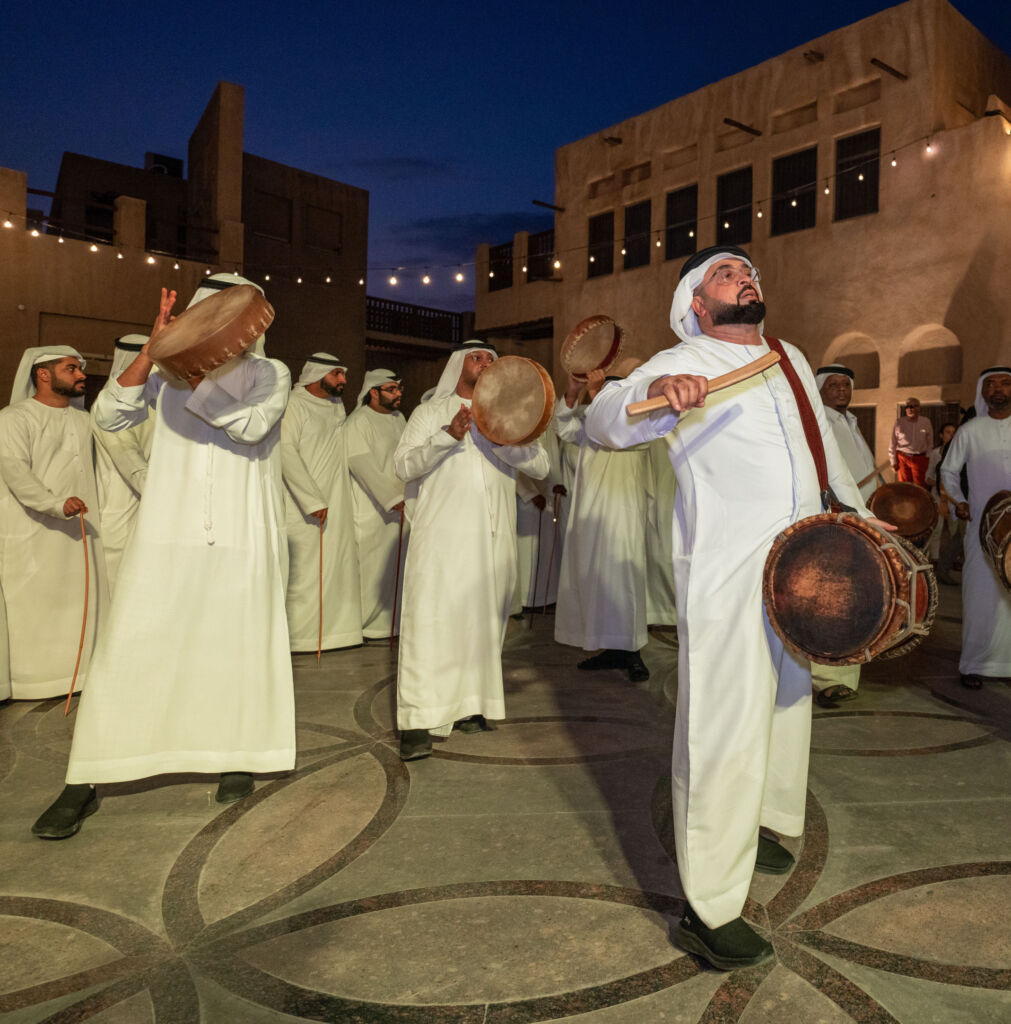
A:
(396, 274)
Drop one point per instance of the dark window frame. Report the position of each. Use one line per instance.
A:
(638, 232)
(600, 244)
(794, 191)
(855, 155)
(734, 200)
(681, 230)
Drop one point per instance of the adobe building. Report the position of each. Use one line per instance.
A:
(115, 235)
(868, 172)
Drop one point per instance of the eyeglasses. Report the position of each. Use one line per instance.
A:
(725, 275)
(391, 389)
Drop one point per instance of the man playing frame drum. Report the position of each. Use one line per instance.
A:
(191, 671)
(983, 446)
(744, 471)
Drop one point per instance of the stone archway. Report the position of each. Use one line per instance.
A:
(859, 352)
(930, 355)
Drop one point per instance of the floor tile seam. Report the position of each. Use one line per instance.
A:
(923, 802)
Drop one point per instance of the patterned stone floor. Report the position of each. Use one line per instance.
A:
(519, 875)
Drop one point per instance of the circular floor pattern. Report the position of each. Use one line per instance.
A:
(885, 733)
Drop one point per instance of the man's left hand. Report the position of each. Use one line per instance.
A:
(881, 525)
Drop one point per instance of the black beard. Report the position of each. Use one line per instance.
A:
(734, 313)
(68, 390)
(997, 401)
(332, 389)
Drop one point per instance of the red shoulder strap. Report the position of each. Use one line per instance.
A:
(807, 418)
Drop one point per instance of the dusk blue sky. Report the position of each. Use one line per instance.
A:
(449, 114)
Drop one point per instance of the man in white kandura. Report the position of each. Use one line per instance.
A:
(602, 590)
(371, 435)
(121, 459)
(46, 480)
(191, 671)
(317, 491)
(983, 446)
(461, 563)
(744, 473)
(835, 683)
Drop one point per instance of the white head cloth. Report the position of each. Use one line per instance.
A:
(373, 379)
(832, 370)
(682, 316)
(218, 282)
(451, 375)
(23, 386)
(317, 367)
(982, 409)
(427, 395)
(124, 353)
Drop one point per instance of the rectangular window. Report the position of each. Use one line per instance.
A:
(270, 216)
(794, 187)
(857, 162)
(637, 218)
(600, 245)
(682, 222)
(733, 207)
(500, 267)
(323, 228)
(541, 256)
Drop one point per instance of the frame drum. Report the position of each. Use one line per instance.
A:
(207, 335)
(593, 344)
(909, 507)
(840, 592)
(995, 534)
(513, 400)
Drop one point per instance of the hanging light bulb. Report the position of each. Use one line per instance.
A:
(557, 264)
(207, 272)
(658, 243)
(175, 266)
(860, 176)
(895, 163)
(35, 232)
(491, 273)
(593, 259)
(827, 189)
(60, 239)
(760, 214)
(793, 203)
(393, 279)
(328, 278)
(426, 279)
(524, 268)
(266, 277)
(361, 280)
(119, 255)
(930, 148)
(459, 276)
(691, 234)
(235, 272)
(8, 223)
(623, 251)
(93, 247)
(726, 225)
(298, 280)
(151, 260)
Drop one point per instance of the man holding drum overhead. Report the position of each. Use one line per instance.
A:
(191, 671)
(745, 472)
(460, 571)
(983, 446)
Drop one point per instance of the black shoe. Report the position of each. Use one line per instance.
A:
(971, 681)
(233, 786)
(415, 744)
(606, 659)
(773, 858)
(62, 818)
(476, 723)
(732, 945)
(636, 667)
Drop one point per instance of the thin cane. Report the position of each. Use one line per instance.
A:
(396, 582)
(537, 570)
(556, 510)
(319, 641)
(84, 621)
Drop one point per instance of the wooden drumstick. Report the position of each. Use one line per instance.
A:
(872, 474)
(84, 620)
(726, 380)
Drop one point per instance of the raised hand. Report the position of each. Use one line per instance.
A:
(460, 423)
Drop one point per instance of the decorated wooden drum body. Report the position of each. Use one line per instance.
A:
(841, 592)
(593, 344)
(513, 400)
(207, 335)
(995, 534)
(908, 506)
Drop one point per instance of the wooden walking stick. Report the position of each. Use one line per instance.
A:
(84, 621)
(716, 384)
(555, 510)
(396, 582)
(537, 570)
(319, 641)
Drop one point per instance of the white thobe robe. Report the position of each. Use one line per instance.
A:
(742, 729)
(661, 487)
(121, 459)
(461, 566)
(191, 671)
(859, 460)
(538, 537)
(602, 591)
(316, 476)
(983, 446)
(45, 458)
(370, 439)
(5, 657)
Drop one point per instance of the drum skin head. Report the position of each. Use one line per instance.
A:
(513, 400)
(212, 332)
(995, 534)
(593, 344)
(909, 507)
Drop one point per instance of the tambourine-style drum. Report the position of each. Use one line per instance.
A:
(513, 400)
(207, 335)
(838, 591)
(995, 534)
(909, 507)
(593, 344)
